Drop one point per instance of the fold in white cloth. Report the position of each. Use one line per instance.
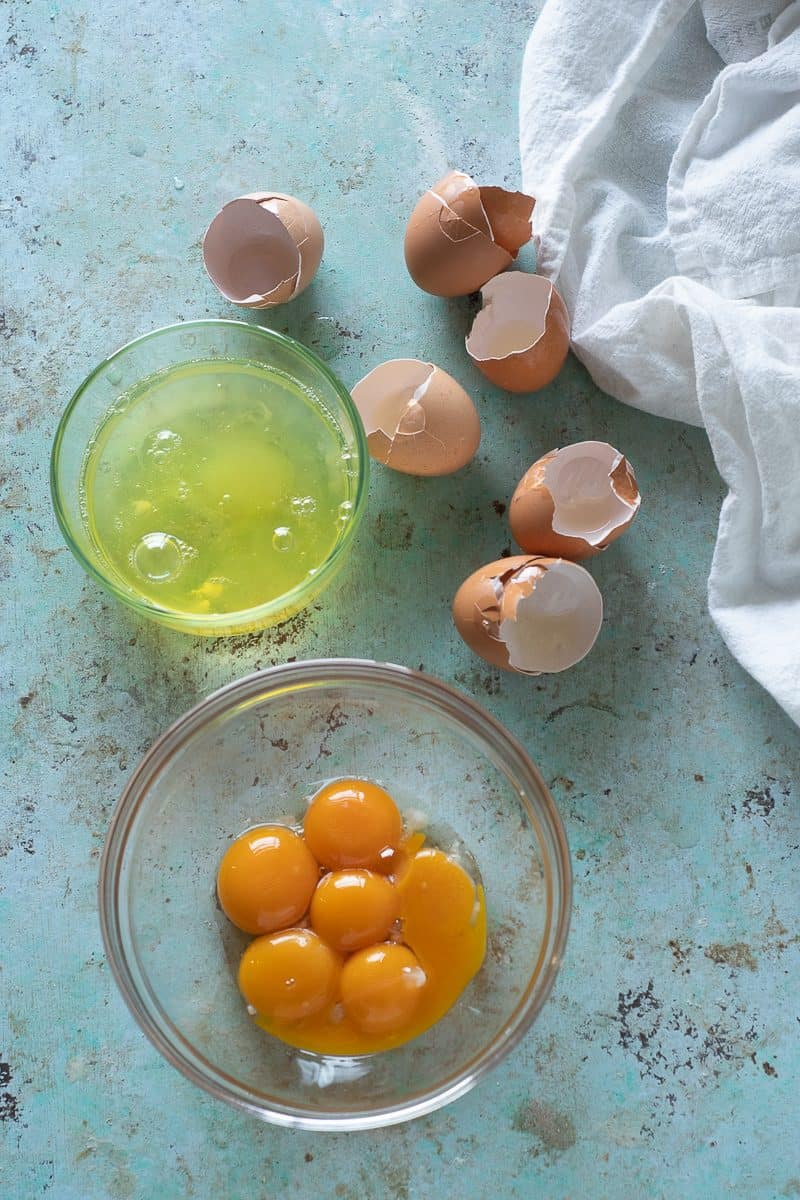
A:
(668, 209)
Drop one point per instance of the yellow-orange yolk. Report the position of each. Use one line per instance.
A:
(397, 928)
(442, 931)
(353, 909)
(289, 976)
(438, 899)
(266, 879)
(381, 988)
(352, 823)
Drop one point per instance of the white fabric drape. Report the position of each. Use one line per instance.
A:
(667, 181)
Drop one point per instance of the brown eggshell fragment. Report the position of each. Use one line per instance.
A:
(529, 614)
(263, 249)
(574, 502)
(520, 338)
(509, 217)
(460, 235)
(417, 419)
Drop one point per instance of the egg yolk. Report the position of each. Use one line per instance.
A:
(353, 909)
(366, 936)
(442, 937)
(381, 988)
(266, 879)
(289, 976)
(352, 823)
(439, 899)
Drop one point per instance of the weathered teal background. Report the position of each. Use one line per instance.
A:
(665, 1064)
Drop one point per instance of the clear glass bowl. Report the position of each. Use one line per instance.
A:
(195, 341)
(254, 751)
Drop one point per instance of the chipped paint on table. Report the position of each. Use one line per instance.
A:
(666, 1062)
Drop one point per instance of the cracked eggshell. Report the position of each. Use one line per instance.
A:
(263, 249)
(575, 501)
(460, 235)
(520, 338)
(417, 419)
(529, 614)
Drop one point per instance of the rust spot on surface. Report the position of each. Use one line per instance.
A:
(679, 953)
(737, 954)
(592, 702)
(553, 1129)
(334, 721)
(773, 926)
(393, 529)
(242, 641)
(291, 630)
(480, 681)
(9, 1104)
(760, 801)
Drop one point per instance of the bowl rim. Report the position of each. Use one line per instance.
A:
(278, 680)
(260, 615)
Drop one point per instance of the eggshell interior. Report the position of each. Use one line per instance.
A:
(250, 254)
(554, 623)
(302, 225)
(529, 613)
(513, 317)
(388, 397)
(417, 418)
(586, 501)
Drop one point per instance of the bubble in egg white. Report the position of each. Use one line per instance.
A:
(159, 556)
(303, 506)
(282, 538)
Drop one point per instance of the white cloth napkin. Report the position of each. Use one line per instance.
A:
(668, 210)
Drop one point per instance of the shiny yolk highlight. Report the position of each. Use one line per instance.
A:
(289, 976)
(352, 823)
(381, 988)
(353, 909)
(266, 879)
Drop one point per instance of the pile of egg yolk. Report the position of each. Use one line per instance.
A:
(365, 936)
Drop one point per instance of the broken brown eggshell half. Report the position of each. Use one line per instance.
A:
(520, 338)
(575, 501)
(417, 419)
(263, 249)
(459, 235)
(529, 614)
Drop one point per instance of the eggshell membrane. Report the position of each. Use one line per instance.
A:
(574, 502)
(263, 249)
(460, 235)
(529, 614)
(417, 419)
(520, 338)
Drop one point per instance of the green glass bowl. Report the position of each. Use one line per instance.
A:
(195, 341)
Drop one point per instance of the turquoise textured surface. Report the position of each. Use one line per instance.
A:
(665, 1063)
